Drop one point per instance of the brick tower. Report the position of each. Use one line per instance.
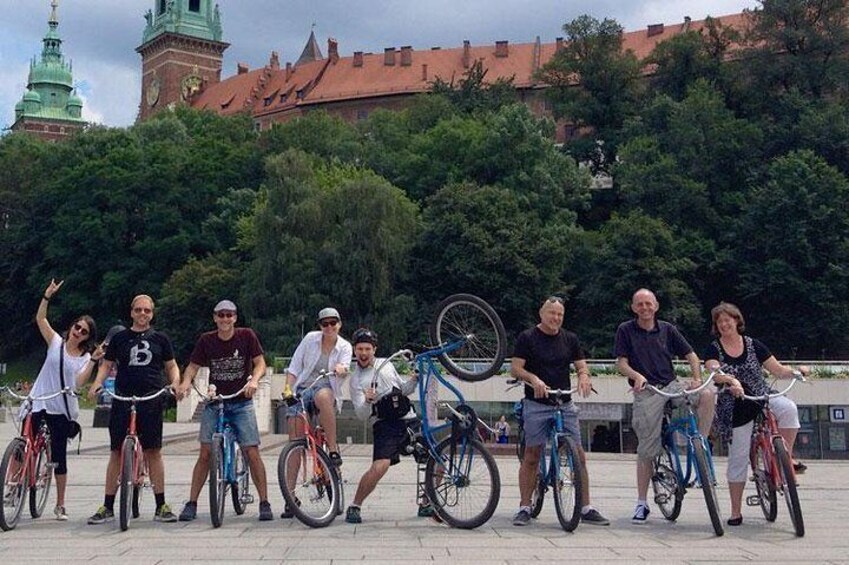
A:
(181, 53)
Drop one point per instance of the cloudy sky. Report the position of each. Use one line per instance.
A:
(100, 36)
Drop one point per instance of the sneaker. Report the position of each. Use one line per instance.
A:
(425, 511)
(352, 516)
(265, 513)
(60, 514)
(522, 517)
(799, 467)
(594, 518)
(335, 458)
(641, 514)
(190, 512)
(103, 514)
(164, 514)
(288, 512)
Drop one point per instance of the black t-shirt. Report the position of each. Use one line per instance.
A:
(549, 357)
(744, 410)
(650, 353)
(230, 362)
(140, 358)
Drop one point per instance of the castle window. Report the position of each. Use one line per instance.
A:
(194, 5)
(161, 9)
(283, 97)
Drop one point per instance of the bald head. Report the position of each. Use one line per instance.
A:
(644, 304)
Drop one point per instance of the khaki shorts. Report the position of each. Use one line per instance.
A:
(647, 417)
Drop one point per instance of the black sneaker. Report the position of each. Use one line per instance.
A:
(641, 514)
(190, 512)
(103, 514)
(288, 512)
(265, 513)
(799, 467)
(352, 516)
(594, 518)
(522, 517)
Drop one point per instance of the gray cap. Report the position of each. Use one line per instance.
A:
(329, 313)
(225, 305)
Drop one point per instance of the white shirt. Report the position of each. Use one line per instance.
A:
(307, 355)
(361, 379)
(48, 380)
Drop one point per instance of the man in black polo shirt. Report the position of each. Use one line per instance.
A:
(542, 359)
(644, 349)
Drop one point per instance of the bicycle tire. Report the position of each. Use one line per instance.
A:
(538, 496)
(708, 488)
(127, 482)
(471, 319)
(11, 470)
(569, 481)
(217, 481)
(314, 492)
(473, 470)
(668, 492)
(788, 481)
(240, 490)
(764, 481)
(340, 500)
(43, 479)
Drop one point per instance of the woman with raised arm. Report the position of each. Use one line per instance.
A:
(68, 364)
(744, 359)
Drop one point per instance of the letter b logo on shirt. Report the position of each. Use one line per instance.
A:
(140, 354)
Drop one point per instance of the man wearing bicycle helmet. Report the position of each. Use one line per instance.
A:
(644, 349)
(236, 363)
(379, 394)
(542, 359)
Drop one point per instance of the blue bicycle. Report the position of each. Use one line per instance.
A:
(228, 466)
(560, 466)
(461, 478)
(671, 476)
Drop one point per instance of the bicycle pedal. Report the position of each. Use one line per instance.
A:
(247, 499)
(753, 500)
(661, 499)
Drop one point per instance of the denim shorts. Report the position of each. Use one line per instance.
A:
(538, 419)
(241, 416)
(309, 398)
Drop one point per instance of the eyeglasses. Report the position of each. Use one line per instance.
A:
(142, 310)
(81, 329)
(326, 323)
(226, 314)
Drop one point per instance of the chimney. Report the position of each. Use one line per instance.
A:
(537, 53)
(501, 49)
(406, 56)
(332, 50)
(274, 61)
(687, 21)
(558, 44)
(389, 56)
(424, 72)
(655, 29)
(467, 53)
(358, 58)
(242, 68)
(289, 71)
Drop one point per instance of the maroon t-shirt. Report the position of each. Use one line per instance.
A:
(230, 362)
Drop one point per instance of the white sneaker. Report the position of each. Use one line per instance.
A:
(59, 512)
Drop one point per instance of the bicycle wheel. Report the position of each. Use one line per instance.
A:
(340, 500)
(463, 484)
(43, 471)
(764, 481)
(708, 488)
(241, 488)
(569, 483)
(309, 483)
(470, 322)
(127, 482)
(538, 496)
(13, 488)
(668, 493)
(217, 480)
(788, 481)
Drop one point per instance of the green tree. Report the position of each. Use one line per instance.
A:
(318, 133)
(472, 94)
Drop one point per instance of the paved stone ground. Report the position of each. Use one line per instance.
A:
(390, 532)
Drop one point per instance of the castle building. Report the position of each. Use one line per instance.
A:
(349, 87)
(50, 108)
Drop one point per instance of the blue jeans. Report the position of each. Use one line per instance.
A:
(241, 416)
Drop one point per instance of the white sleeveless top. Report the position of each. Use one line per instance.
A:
(48, 380)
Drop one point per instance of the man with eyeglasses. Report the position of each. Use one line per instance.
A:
(542, 359)
(235, 360)
(140, 354)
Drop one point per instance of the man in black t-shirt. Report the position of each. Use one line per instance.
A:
(140, 355)
(542, 359)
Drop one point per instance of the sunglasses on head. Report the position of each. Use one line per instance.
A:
(81, 329)
(554, 299)
(226, 314)
(139, 310)
(327, 323)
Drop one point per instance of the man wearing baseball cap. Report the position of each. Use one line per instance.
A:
(236, 363)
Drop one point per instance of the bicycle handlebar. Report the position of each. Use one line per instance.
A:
(687, 392)
(797, 377)
(513, 383)
(156, 394)
(215, 397)
(66, 390)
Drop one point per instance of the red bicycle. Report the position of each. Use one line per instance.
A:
(131, 478)
(27, 466)
(772, 466)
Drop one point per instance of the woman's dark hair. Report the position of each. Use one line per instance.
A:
(89, 344)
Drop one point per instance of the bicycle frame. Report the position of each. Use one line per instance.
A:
(223, 427)
(314, 435)
(139, 464)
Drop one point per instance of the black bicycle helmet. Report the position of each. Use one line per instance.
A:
(364, 335)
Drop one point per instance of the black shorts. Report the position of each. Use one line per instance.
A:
(390, 437)
(148, 423)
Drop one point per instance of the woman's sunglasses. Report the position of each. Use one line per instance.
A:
(81, 329)
(327, 323)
